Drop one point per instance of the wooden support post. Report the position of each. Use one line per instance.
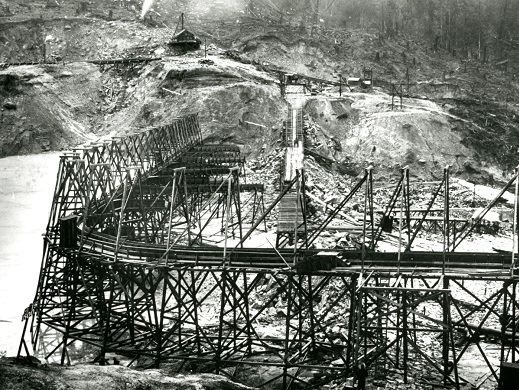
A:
(298, 282)
(503, 320)
(446, 233)
(132, 310)
(453, 345)
(164, 273)
(227, 216)
(371, 208)
(446, 330)
(248, 320)
(296, 219)
(187, 209)
(302, 200)
(22, 340)
(311, 311)
(367, 194)
(352, 318)
(72, 289)
(170, 217)
(514, 318)
(287, 331)
(514, 225)
(179, 305)
(223, 298)
(405, 333)
(236, 192)
(234, 308)
(86, 209)
(382, 321)
(414, 315)
(107, 317)
(408, 207)
(365, 317)
(124, 201)
(143, 211)
(364, 217)
(405, 173)
(359, 318)
(192, 285)
(398, 327)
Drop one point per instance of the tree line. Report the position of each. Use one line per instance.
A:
(476, 29)
(486, 30)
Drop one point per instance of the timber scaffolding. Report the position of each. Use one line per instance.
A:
(145, 256)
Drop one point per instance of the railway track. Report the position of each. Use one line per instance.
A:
(104, 245)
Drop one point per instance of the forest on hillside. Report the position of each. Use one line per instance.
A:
(484, 30)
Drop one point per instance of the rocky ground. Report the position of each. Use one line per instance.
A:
(23, 376)
(55, 106)
(459, 112)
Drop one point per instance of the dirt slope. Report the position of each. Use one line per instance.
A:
(470, 121)
(456, 111)
(46, 107)
(361, 129)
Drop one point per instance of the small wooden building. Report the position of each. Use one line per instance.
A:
(184, 39)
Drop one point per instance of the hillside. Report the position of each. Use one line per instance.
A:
(459, 111)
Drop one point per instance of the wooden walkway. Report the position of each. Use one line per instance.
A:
(290, 214)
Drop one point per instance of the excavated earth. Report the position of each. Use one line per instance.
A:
(49, 107)
(459, 112)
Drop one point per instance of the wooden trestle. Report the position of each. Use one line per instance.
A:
(137, 279)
